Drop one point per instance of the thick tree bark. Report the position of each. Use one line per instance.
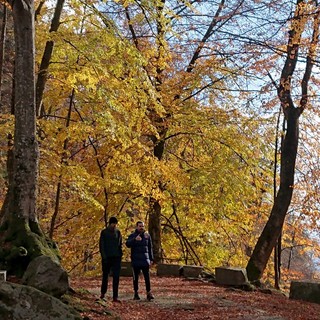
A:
(5, 207)
(6, 61)
(26, 152)
(21, 238)
(2, 46)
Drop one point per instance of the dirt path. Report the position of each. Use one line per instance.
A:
(177, 298)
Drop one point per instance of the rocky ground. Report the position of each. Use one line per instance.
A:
(178, 298)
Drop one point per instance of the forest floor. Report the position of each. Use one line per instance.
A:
(179, 298)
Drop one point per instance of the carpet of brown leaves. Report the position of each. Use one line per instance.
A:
(178, 298)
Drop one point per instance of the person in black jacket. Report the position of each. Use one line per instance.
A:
(141, 258)
(110, 245)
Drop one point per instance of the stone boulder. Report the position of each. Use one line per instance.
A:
(19, 302)
(191, 271)
(305, 290)
(164, 269)
(46, 275)
(231, 276)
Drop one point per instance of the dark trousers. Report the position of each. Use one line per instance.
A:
(146, 275)
(113, 264)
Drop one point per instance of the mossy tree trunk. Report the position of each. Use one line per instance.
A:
(21, 238)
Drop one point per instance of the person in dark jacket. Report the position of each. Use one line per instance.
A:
(110, 245)
(141, 258)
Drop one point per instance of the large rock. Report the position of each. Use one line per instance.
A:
(164, 269)
(191, 271)
(19, 302)
(231, 276)
(305, 290)
(46, 275)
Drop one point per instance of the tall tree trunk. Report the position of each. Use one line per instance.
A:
(277, 248)
(158, 149)
(59, 185)
(155, 228)
(43, 72)
(155, 207)
(2, 48)
(6, 60)
(277, 263)
(26, 152)
(273, 227)
(21, 238)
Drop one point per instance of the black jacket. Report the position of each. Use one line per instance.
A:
(141, 251)
(110, 243)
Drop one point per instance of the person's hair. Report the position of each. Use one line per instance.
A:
(113, 220)
(138, 222)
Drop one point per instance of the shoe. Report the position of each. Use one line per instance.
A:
(102, 297)
(116, 300)
(150, 296)
(136, 296)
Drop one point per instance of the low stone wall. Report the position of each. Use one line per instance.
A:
(164, 269)
(191, 271)
(231, 276)
(176, 270)
(305, 290)
(126, 269)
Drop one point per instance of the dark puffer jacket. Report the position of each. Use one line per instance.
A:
(141, 251)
